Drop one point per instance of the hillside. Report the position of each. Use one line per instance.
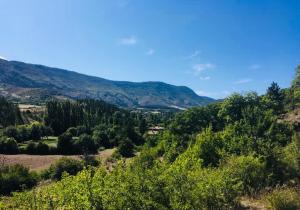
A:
(28, 82)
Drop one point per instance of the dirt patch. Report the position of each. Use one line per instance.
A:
(39, 162)
(251, 203)
(293, 117)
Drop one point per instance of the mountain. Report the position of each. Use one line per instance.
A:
(29, 82)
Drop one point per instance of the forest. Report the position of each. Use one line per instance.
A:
(218, 156)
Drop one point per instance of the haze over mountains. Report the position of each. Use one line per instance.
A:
(28, 82)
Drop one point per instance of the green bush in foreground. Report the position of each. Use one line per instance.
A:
(15, 177)
(145, 184)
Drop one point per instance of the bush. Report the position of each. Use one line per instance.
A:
(125, 148)
(81, 130)
(11, 131)
(90, 160)
(8, 146)
(248, 170)
(36, 132)
(101, 139)
(42, 149)
(284, 199)
(37, 148)
(23, 133)
(56, 170)
(291, 156)
(15, 177)
(209, 146)
(65, 144)
(30, 148)
(86, 144)
(72, 131)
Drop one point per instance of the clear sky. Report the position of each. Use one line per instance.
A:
(215, 47)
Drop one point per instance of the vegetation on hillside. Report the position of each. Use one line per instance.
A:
(207, 158)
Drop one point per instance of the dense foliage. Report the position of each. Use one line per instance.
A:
(9, 113)
(16, 177)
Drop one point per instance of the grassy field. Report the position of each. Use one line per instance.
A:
(51, 141)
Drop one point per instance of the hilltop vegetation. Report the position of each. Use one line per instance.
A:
(207, 158)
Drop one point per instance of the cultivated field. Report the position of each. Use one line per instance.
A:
(39, 162)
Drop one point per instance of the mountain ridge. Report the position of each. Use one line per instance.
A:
(25, 82)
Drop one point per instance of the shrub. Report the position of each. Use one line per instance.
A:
(72, 131)
(291, 156)
(23, 133)
(8, 146)
(56, 170)
(86, 144)
(15, 177)
(209, 145)
(125, 148)
(65, 144)
(284, 199)
(30, 148)
(11, 131)
(37, 148)
(90, 160)
(42, 149)
(36, 132)
(101, 139)
(248, 170)
(46, 130)
(81, 130)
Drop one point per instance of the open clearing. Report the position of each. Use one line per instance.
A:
(39, 162)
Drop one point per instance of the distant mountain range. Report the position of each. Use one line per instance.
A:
(28, 82)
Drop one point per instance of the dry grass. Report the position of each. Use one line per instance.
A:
(39, 162)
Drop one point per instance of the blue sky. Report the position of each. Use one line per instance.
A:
(215, 47)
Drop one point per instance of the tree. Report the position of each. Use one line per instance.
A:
(65, 144)
(46, 131)
(23, 133)
(8, 146)
(142, 126)
(11, 131)
(72, 131)
(275, 98)
(231, 108)
(125, 148)
(35, 133)
(85, 144)
(9, 113)
(296, 80)
(71, 166)
(42, 149)
(101, 139)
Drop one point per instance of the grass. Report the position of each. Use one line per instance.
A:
(283, 199)
(51, 141)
